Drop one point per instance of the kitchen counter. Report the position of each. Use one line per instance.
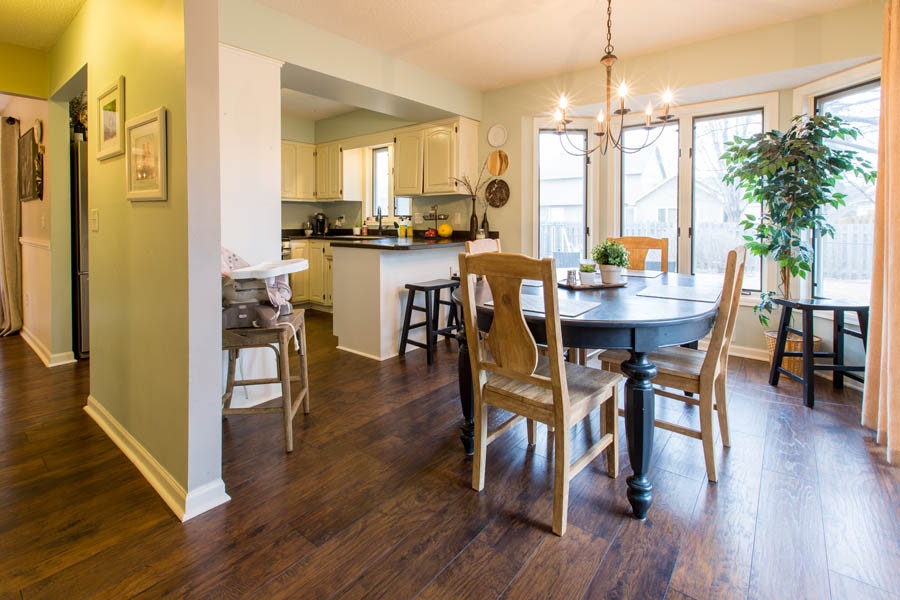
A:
(393, 243)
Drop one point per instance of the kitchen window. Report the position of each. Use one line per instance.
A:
(562, 198)
(380, 187)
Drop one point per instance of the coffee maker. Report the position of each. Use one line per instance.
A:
(320, 224)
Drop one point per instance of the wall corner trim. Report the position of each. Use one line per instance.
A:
(38, 347)
(183, 504)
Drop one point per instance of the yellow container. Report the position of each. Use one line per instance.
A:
(401, 230)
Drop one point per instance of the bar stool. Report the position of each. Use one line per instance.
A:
(432, 309)
(808, 353)
(278, 339)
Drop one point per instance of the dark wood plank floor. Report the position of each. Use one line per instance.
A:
(375, 500)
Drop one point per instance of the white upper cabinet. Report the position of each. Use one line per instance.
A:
(354, 174)
(408, 163)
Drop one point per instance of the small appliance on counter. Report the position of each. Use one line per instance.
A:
(320, 224)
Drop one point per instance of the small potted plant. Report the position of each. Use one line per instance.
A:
(588, 274)
(613, 259)
(357, 229)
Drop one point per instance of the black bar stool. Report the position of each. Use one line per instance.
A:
(837, 366)
(432, 309)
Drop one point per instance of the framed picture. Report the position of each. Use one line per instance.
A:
(31, 168)
(145, 156)
(111, 117)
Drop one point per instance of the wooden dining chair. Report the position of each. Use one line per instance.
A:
(638, 247)
(509, 373)
(697, 371)
(482, 245)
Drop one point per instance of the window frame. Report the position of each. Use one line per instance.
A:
(684, 116)
(804, 102)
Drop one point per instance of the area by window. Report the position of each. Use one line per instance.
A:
(674, 188)
(562, 197)
(380, 188)
(843, 264)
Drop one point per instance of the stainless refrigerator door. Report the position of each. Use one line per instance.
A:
(83, 341)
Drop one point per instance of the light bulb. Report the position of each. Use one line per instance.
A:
(563, 103)
(600, 117)
(667, 96)
(557, 115)
(623, 90)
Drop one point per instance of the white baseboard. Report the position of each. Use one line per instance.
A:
(49, 360)
(762, 354)
(185, 505)
(365, 354)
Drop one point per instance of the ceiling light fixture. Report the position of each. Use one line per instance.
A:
(608, 137)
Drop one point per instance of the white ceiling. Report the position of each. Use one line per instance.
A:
(488, 44)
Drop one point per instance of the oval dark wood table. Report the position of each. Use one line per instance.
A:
(636, 318)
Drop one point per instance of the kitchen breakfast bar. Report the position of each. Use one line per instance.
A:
(369, 293)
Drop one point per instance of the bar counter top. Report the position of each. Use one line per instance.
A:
(393, 243)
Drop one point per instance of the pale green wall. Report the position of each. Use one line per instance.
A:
(297, 129)
(24, 72)
(139, 266)
(358, 122)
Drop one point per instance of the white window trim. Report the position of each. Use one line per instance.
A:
(684, 115)
(592, 216)
(369, 201)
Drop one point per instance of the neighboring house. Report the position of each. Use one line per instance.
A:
(155, 371)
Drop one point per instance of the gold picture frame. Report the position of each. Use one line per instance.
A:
(145, 156)
(111, 120)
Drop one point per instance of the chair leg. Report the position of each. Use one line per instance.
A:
(404, 331)
(561, 473)
(610, 415)
(284, 372)
(531, 426)
(430, 337)
(229, 381)
(722, 409)
(706, 431)
(478, 458)
(304, 371)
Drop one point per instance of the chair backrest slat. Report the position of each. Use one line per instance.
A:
(483, 245)
(720, 340)
(639, 246)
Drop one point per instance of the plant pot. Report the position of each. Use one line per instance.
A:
(357, 230)
(611, 274)
(588, 278)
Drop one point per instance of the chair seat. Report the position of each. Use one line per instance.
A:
(588, 388)
(676, 366)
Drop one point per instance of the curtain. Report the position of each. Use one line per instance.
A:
(881, 395)
(10, 229)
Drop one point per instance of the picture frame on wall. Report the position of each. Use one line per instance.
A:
(31, 168)
(145, 156)
(111, 117)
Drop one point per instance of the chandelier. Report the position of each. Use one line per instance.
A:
(605, 131)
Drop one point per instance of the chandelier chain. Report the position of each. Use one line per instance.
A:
(609, 47)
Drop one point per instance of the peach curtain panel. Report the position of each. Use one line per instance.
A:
(881, 398)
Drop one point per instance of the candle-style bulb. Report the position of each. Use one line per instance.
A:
(601, 117)
(563, 102)
(557, 115)
(623, 90)
(667, 97)
(649, 113)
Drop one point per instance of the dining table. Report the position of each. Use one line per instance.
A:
(650, 310)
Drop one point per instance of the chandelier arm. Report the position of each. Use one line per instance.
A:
(586, 151)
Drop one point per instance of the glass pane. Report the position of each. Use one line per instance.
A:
(844, 263)
(402, 206)
(719, 208)
(380, 174)
(650, 189)
(562, 193)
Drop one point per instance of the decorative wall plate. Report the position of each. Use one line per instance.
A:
(497, 135)
(497, 162)
(496, 193)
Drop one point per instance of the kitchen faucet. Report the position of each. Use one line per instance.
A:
(379, 220)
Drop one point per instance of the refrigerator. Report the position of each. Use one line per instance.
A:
(80, 279)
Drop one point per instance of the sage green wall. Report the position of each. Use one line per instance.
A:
(139, 257)
(357, 122)
(297, 129)
(24, 72)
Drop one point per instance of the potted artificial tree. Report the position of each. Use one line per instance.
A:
(612, 258)
(792, 176)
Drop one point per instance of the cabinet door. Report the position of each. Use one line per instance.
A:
(300, 280)
(328, 172)
(306, 171)
(316, 272)
(440, 160)
(288, 169)
(408, 164)
(328, 280)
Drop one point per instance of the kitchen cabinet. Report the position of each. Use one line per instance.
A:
(299, 281)
(408, 163)
(428, 160)
(321, 281)
(298, 171)
(329, 172)
(353, 174)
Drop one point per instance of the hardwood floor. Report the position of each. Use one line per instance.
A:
(375, 501)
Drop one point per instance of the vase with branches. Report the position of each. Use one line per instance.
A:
(792, 176)
(473, 189)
